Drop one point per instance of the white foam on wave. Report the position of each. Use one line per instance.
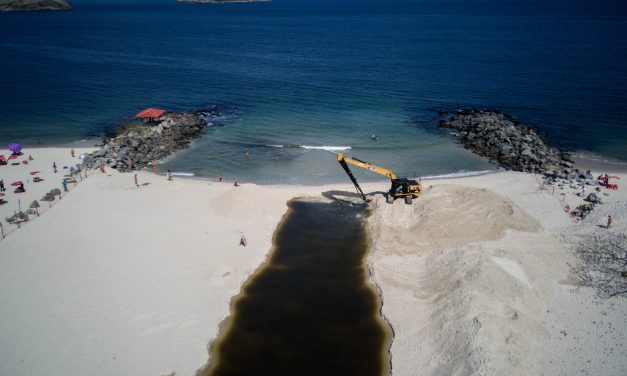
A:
(459, 174)
(327, 148)
(183, 174)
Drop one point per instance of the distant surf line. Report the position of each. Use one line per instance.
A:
(310, 147)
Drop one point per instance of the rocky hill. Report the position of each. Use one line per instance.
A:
(32, 5)
(221, 1)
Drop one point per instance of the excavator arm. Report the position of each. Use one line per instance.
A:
(367, 166)
(351, 176)
(404, 187)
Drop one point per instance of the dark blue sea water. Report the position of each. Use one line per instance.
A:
(319, 73)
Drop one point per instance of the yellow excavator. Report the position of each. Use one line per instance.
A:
(401, 187)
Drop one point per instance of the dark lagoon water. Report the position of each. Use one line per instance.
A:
(319, 73)
(310, 309)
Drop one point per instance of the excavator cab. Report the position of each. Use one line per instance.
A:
(403, 187)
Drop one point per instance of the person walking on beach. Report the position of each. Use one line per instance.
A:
(102, 168)
(2, 188)
(169, 175)
(220, 178)
(64, 184)
(609, 222)
(72, 152)
(135, 178)
(54, 167)
(243, 241)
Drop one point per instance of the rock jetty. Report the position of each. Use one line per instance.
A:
(501, 138)
(136, 145)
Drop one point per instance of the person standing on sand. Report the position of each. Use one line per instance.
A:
(221, 178)
(72, 152)
(169, 175)
(243, 241)
(609, 221)
(102, 168)
(2, 188)
(54, 167)
(135, 178)
(64, 184)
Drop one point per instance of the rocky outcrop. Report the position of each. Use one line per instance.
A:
(221, 1)
(501, 138)
(513, 146)
(138, 144)
(32, 5)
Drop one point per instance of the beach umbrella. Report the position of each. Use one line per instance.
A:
(16, 183)
(56, 192)
(15, 148)
(35, 205)
(48, 197)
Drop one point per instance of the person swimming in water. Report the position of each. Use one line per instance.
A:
(374, 137)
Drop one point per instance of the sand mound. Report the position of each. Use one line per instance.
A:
(441, 259)
(450, 216)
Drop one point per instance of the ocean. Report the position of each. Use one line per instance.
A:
(298, 80)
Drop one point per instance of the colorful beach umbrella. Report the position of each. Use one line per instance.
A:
(15, 148)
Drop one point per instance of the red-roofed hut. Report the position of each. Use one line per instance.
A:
(150, 113)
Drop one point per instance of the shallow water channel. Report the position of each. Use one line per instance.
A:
(310, 310)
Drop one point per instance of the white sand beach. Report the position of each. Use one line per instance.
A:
(40, 166)
(474, 277)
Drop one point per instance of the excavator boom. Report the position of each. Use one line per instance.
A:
(368, 166)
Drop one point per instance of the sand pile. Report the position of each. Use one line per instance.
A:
(449, 216)
(453, 262)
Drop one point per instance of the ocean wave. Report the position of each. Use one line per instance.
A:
(183, 174)
(459, 174)
(327, 148)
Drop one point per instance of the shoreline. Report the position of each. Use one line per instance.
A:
(122, 274)
(581, 160)
(226, 322)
